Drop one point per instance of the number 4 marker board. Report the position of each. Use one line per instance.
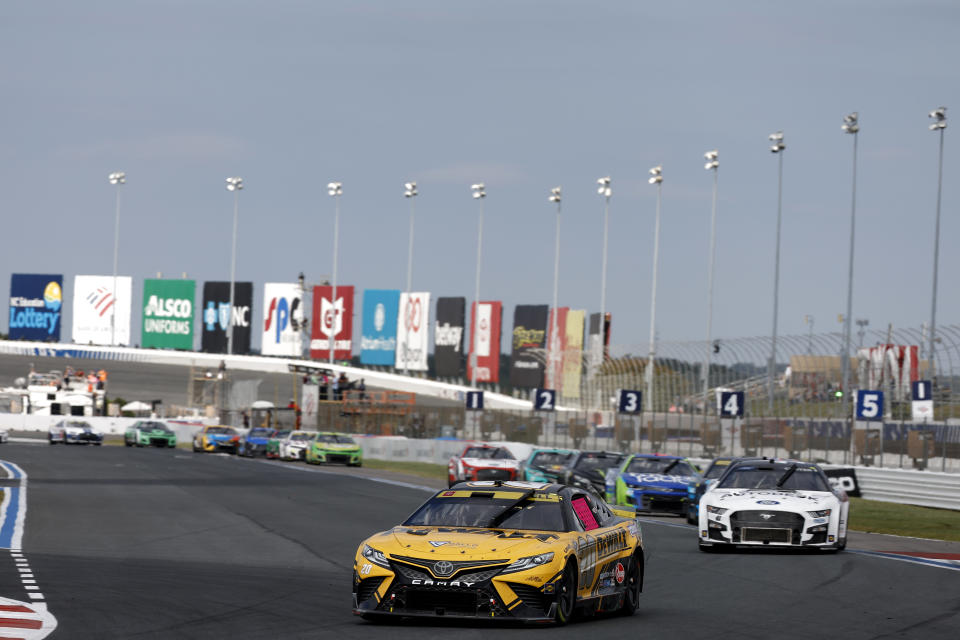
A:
(731, 404)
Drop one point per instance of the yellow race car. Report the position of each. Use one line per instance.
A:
(534, 552)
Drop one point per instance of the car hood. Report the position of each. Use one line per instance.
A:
(256, 440)
(219, 436)
(296, 443)
(462, 543)
(657, 479)
(336, 446)
(78, 430)
(767, 499)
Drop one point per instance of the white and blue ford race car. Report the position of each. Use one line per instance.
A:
(773, 503)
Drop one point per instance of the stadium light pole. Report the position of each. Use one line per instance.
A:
(656, 177)
(776, 148)
(712, 164)
(335, 190)
(118, 179)
(939, 124)
(555, 196)
(234, 184)
(479, 193)
(410, 193)
(851, 126)
(605, 191)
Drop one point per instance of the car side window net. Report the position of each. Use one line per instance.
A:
(582, 508)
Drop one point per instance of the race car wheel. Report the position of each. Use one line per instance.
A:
(52, 441)
(566, 594)
(128, 443)
(631, 598)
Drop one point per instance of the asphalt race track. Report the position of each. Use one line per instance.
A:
(152, 543)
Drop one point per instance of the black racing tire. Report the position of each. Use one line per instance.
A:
(692, 520)
(127, 443)
(634, 580)
(52, 441)
(566, 595)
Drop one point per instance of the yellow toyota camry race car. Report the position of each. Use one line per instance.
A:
(534, 552)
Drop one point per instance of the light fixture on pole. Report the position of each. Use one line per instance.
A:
(599, 351)
(851, 125)
(118, 179)
(410, 192)
(479, 193)
(553, 339)
(656, 177)
(777, 148)
(712, 164)
(234, 184)
(939, 124)
(334, 190)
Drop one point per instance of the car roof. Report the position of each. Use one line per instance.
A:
(517, 487)
(656, 456)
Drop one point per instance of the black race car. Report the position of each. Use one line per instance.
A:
(588, 469)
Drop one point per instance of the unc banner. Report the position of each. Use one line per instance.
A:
(332, 320)
(36, 307)
(378, 340)
(217, 316)
(448, 337)
(168, 314)
(412, 328)
(282, 319)
(100, 314)
(529, 340)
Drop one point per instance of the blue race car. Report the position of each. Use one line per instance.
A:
(696, 489)
(652, 482)
(255, 442)
(546, 465)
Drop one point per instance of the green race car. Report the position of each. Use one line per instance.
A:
(273, 443)
(149, 433)
(327, 447)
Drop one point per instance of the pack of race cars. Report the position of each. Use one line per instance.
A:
(539, 534)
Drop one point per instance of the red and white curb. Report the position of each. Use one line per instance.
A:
(20, 620)
(25, 620)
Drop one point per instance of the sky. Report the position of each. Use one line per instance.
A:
(522, 96)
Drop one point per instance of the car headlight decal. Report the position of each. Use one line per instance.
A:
(375, 556)
(820, 514)
(529, 562)
(717, 510)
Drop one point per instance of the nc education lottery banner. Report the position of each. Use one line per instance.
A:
(36, 307)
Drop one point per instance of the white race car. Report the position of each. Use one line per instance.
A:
(74, 432)
(773, 503)
(483, 462)
(294, 446)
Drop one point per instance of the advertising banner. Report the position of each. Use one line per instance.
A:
(573, 354)
(332, 319)
(412, 328)
(36, 306)
(168, 314)
(598, 348)
(100, 314)
(527, 356)
(448, 337)
(485, 321)
(282, 319)
(217, 316)
(556, 345)
(378, 340)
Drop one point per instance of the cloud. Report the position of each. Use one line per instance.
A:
(476, 172)
(174, 146)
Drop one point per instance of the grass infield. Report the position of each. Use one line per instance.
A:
(873, 516)
(421, 469)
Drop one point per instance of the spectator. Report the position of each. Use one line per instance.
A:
(362, 388)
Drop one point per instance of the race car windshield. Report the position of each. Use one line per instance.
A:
(528, 515)
(660, 465)
(220, 431)
(345, 440)
(79, 425)
(802, 479)
(259, 432)
(152, 426)
(601, 463)
(549, 459)
(716, 470)
(300, 437)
